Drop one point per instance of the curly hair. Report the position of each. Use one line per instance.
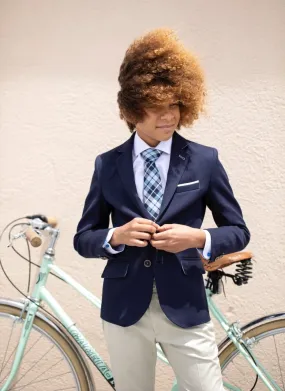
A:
(158, 68)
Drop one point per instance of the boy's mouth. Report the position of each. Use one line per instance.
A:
(166, 126)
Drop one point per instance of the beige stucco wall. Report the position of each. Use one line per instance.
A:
(59, 63)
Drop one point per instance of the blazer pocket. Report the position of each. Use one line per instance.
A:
(188, 186)
(116, 269)
(191, 266)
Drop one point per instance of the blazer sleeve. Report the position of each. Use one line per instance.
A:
(93, 226)
(231, 234)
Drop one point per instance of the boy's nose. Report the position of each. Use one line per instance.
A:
(167, 116)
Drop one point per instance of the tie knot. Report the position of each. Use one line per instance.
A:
(150, 155)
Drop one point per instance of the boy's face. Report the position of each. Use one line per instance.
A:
(159, 123)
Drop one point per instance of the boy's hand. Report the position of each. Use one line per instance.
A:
(137, 232)
(176, 237)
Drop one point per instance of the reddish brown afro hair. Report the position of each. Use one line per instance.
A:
(158, 68)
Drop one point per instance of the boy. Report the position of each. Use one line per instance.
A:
(156, 187)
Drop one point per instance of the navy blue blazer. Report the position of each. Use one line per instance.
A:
(128, 276)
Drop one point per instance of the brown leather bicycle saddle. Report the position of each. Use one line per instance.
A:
(226, 260)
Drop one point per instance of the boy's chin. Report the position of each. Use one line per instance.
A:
(166, 135)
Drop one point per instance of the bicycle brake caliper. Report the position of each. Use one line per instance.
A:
(250, 342)
(236, 330)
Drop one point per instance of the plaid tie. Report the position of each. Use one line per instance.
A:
(152, 182)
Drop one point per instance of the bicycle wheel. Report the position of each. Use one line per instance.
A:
(51, 361)
(269, 350)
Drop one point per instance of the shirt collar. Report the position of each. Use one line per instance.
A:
(140, 146)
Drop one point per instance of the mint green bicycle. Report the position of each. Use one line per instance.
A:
(42, 351)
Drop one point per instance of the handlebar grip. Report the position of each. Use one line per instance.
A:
(52, 221)
(33, 237)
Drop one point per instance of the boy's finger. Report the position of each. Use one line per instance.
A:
(165, 227)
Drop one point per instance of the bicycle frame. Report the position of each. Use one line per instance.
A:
(40, 293)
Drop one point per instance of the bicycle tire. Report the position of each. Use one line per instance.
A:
(61, 338)
(259, 332)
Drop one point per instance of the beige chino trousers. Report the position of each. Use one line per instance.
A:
(192, 352)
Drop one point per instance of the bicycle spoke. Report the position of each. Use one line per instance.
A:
(36, 363)
(2, 368)
(245, 380)
(63, 389)
(49, 360)
(23, 355)
(243, 374)
(278, 358)
(39, 381)
(231, 382)
(268, 351)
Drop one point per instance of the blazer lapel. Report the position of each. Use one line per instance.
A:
(178, 161)
(125, 168)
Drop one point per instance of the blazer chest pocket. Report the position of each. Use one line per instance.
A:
(188, 186)
(191, 266)
(116, 269)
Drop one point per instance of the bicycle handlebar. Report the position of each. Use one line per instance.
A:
(30, 233)
(52, 221)
(33, 237)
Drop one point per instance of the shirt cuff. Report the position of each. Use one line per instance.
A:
(206, 251)
(107, 245)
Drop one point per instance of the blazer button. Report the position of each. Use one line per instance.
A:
(147, 263)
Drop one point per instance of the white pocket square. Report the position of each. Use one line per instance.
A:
(188, 183)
